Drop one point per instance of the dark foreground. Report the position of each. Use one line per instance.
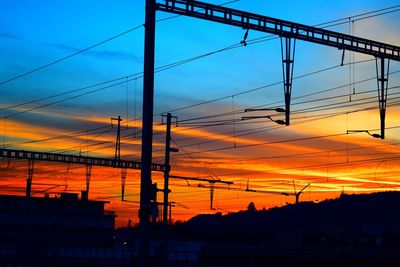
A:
(354, 230)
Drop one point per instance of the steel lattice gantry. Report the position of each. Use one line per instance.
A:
(289, 32)
(279, 27)
(33, 156)
(89, 162)
(73, 159)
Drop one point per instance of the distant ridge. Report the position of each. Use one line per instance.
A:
(353, 216)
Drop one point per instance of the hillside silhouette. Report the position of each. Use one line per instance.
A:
(350, 216)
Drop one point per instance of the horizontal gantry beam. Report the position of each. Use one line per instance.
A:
(53, 157)
(279, 27)
(200, 179)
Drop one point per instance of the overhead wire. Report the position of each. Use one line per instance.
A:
(280, 82)
(315, 166)
(269, 85)
(268, 142)
(165, 67)
(89, 48)
(70, 55)
(295, 112)
(226, 122)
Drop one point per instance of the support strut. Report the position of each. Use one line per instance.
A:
(117, 156)
(88, 175)
(212, 188)
(288, 49)
(170, 213)
(123, 181)
(167, 168)
(29, 179)
(382, 75)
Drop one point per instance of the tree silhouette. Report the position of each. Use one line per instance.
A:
(251, 207)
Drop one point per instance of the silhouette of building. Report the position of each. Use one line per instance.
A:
(30, 228)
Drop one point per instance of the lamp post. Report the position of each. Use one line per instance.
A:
(265, 109)
(280, 110)
(374, 135)
(280, 122)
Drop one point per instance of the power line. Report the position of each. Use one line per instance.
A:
(270, 142)
(316, 166)
(168, 66)
(274, 84)
(190, 156)
(125, 79)
(63, 93)
(88, 48)
(318, 154)
(118, 83)
(71, 55)
(242, 111)
(199, 143)
(160, 70)
(296, 112)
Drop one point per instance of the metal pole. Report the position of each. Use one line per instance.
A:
(212, 187)
(123, 181)
(170, 213)
(147, 132)
(118, 142)
(383, 99)
(288, 50)
(167, 168)
(117, 158)
(88, 175)
(288, 85)
(29, 180)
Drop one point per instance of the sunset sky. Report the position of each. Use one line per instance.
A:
(205, 78)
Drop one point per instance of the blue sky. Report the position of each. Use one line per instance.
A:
(35, 33)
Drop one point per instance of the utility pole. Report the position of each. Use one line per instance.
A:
(147, 132)
(29, 180)
(212, 188)
(170, 213)
(288, 46)
(382, 79)
(166, 190)
(123, 181)
(88, 176)
(167, 167)
(118, 140)
(117, 157)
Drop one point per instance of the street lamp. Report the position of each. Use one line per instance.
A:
(281, 122)
(364, 131)
(265, 109)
